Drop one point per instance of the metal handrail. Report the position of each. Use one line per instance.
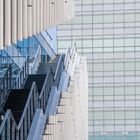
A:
(9, 68)
(45, 90)
(41, 93)
(66, 55)
(34, 87)
(7, 116)
(22, 75)
(5, 88)
(58, 65)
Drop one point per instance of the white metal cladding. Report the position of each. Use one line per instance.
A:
(7, 21)
(20, 19)
(25, 13)
(14, 21)
(1, 24)
(29, 19)
(34, 17)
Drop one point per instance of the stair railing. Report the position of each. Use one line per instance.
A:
(44, 94)
(59, 69)
(9, 124)
(22, 75)
(36, 62)
(5, 85)
(34, 101)
(67, 59)
(9, 129)
(29, 110)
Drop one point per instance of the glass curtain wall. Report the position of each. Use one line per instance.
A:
(107, 32)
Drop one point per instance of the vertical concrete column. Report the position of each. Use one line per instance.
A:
(44, 14)
(30, 18)
(34, 16)
(37, 16)
(7, 23)
(25, 29)
(1, 24)
(52, 12)
(14, 21)
(19, 20)
(48, 13)
(41, 15)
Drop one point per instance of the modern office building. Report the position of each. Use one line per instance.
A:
(107, 32)
(40, 90)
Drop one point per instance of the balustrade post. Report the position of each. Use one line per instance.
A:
(28, 118)
(13, 130)
(10, 76)
(8, 128)
(31, 106)
(3, 134)
(25, 127)
(21, 132)
(17, 134)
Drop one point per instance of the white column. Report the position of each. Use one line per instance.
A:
(34, 16)
(7, 23)
(30, 18)
(14, 21)
(19, 13)
(37, 16)
(25, 29)
(1, 24)
(41, 15)
(44, 14)
(52, 12)
(48, 13)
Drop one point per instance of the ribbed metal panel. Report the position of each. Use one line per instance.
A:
(1, 24)
(14, 21)
(7, 24)
(20, 19)
(19, 13)
(41, 15)
(25, 13)
(37, 16)
(29, 9)
(34, 17)
(44, 14)
(48, 13)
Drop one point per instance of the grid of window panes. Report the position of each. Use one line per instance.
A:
(107, 32)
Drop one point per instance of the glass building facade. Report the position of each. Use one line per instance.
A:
(107, 32)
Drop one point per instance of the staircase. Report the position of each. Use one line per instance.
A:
(21, 104)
